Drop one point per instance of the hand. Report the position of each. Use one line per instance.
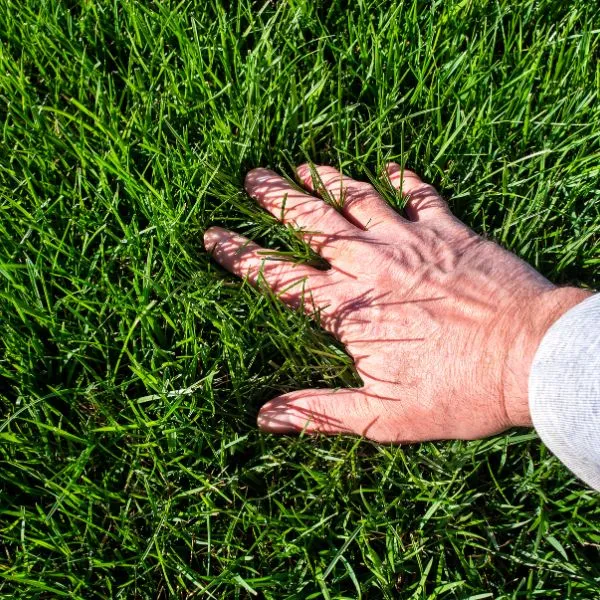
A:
(442, 324)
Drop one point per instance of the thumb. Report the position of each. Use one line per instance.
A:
(320, 411)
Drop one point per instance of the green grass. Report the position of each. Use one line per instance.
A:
(132, 367)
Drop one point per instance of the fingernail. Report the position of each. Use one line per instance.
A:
(211, 238)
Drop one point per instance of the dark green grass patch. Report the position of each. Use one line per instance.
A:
(132, 367)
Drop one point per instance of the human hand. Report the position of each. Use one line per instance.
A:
(442, 325)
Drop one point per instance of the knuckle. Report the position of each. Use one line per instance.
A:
(359, 192)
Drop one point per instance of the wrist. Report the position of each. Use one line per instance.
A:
(531, 326)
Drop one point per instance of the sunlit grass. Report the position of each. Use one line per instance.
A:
(132, 367)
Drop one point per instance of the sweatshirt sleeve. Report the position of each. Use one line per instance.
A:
(564, 390)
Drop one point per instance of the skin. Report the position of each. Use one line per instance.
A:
(442, 325)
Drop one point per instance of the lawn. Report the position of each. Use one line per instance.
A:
(132, 366)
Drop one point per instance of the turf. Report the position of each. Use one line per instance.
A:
(132, 366)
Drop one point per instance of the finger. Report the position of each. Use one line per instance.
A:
(423, 201)
(359, 201)
(324, 227)
(295, 284)
(320, 411)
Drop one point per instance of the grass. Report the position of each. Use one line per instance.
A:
(132, 367)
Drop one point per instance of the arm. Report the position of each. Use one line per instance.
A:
(442, 325)
(564, 390)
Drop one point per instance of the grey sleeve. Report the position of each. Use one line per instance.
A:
(564, 390)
